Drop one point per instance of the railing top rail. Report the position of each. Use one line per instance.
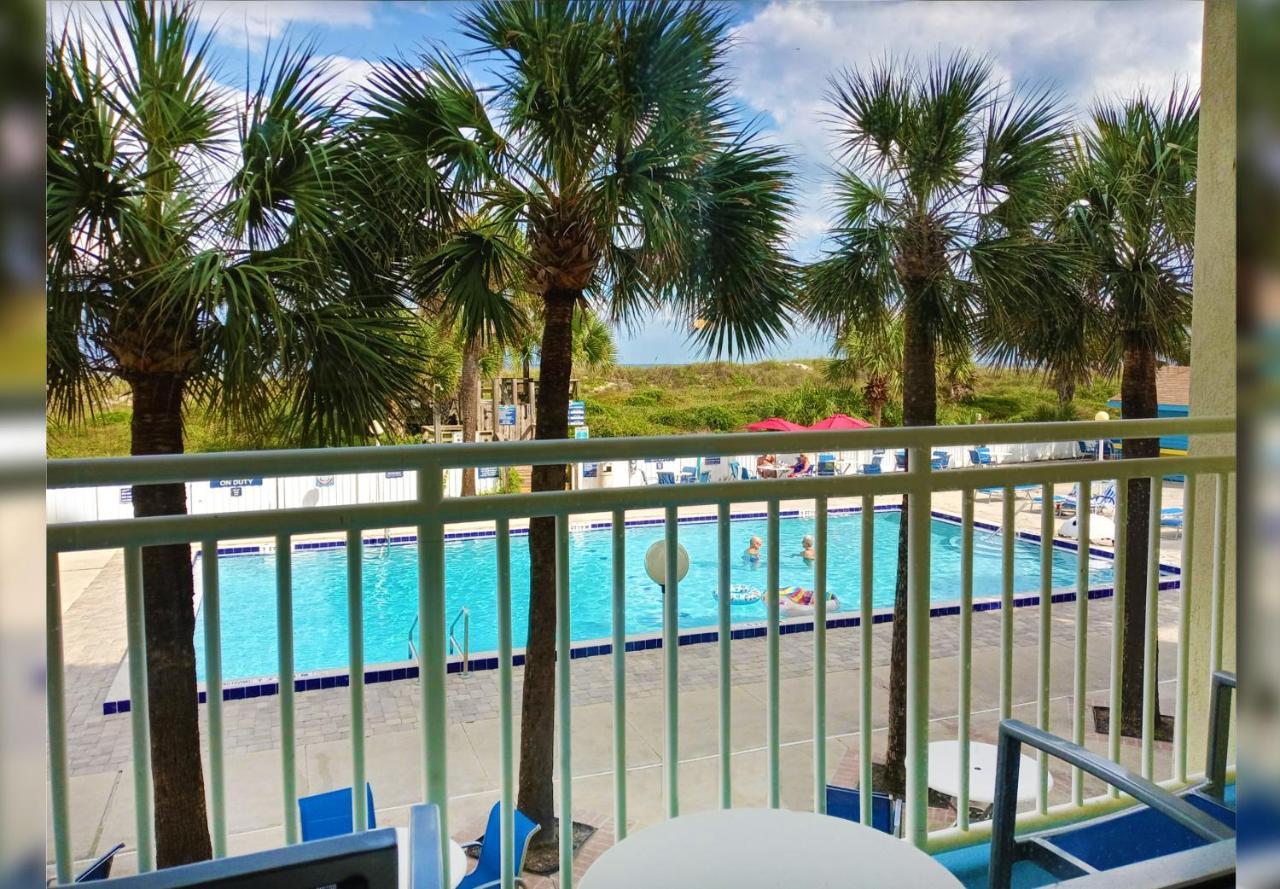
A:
(322, 461)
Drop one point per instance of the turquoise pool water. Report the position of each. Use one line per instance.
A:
(247, 584)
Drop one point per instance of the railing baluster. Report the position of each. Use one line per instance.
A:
(1184, 629)
(671, 664)
(564, 704)
(55, 693)
(1009, 533)
(1084, 494)
(433, 654)
(726, 667)
(619, 530)
(355, 660)
(771, 613)
(919, 530)
(1219, 573)
(865, 625)
(284, 675)
(1043, 649)
(506, 746)
(966, 652)
(1152, 613)
(135, 632)
(211, 605)
(1117, 623)
(820, 658)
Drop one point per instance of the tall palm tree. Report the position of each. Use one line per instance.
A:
(1132, 206)
(616, 175)
(199, 251)
(946, 173)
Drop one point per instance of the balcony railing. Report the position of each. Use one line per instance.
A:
(431, 511)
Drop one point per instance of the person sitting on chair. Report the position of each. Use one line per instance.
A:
(767, 466)
(802, 466)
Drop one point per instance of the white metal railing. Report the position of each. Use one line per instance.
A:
(430, 511)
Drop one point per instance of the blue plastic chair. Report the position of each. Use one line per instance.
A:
(1087, 449)
(329, 814)
(871, 468)
(846, 803)
(488, 870)
(826, 464)
(900, 460)
(941, 460)
(100, 869)
(735, 470)
(688, 476)
(666, 478)
(704, 477)
(980, 456)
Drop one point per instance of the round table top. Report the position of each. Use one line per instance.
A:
(944, 771)
(457, 863)
(763, 849)
(457, 858)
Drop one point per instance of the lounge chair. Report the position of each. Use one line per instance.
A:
(900, 460)
(1172, 517)
(100, 869)
(980, 456)
(941, 460)
(666, 478)
(1097, 502)
(846, 803)
(870, 469)
(827, 464)
(688, 476)
(488, 872)
(329, 814)
(704, 476)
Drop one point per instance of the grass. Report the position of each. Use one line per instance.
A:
(667, 400)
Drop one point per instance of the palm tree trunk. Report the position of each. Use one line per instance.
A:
(537, 716)
(1065, 385)
(919, 408)
(181, 825)
(1139, 400)
(469, 405)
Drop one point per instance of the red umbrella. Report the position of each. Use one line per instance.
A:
(775, 424)
(840, 421)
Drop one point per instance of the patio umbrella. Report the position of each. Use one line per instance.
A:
(775, 424)
(840, 421)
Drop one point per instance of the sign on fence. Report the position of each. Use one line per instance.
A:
(581, 432)
(589, 470)
(235, 483)
(577, 413)
(395, 473)
(487, 472)
(506, 415)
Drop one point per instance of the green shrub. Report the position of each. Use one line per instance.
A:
(645, 397)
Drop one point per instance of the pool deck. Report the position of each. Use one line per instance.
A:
(99, 746)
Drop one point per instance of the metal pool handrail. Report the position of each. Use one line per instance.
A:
(431, 510)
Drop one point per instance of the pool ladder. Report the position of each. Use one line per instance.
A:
(464, 615)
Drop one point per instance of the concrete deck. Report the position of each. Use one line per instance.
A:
(100, 747)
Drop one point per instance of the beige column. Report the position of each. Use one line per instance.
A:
(1213, 348)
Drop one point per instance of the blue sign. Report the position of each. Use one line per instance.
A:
(487, 472)
(589, 470)
(710, 461)
(395, 473)
(126, 495)
(506, 415)
(577, 413)
(235, 483)
(582, 432)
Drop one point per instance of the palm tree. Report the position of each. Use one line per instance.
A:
(615, 175)
(872, 356)
(946, 174)
(198, 252)
(1131, 204)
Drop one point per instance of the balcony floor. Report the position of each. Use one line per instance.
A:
(99, 746)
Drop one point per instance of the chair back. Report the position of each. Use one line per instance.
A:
(826, 464)
(100, 869)
(1087, 449)
(871, 468)
(704, 477)
(329, 814)
(846, 803)
(900, 459)
(489, 865)
(735, 472)
(980, 456)
(941, 459)
(688, 474)
(666, 478)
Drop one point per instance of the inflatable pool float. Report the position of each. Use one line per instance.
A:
(741, 594)
(800, 602)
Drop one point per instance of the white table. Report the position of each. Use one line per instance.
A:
(944, 771)
(763, 849)
(457, 859)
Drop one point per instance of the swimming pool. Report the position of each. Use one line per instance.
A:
(247, 585)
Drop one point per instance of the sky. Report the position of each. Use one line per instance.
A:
(780, 61)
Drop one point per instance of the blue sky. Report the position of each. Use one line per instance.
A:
(782, 55)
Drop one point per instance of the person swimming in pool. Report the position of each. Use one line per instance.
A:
(808, 553)
(753, 550)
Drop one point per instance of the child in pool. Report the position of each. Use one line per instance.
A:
(753, 550)
(808, 554)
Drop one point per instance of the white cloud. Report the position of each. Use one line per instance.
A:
(254, 23)
(783, 57)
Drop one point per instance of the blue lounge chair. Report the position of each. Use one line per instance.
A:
(704, 476)
(488, 872)
(826, 464)
(1096, 503)
(980, 456)
(941, 460)
(688, 476)
(871, 469)
(666, 478)
(100, 869)
(1172, 517)
(900, 460)
(329, 814)
(1087, 450)
(846, 803)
